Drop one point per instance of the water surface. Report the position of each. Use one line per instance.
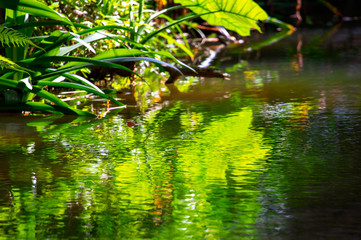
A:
(274, 153)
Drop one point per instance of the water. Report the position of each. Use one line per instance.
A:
(273, 153)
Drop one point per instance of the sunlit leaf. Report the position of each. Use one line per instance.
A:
(33, 7)
(8, 64)
(235, 15)
(27, 83)
(79, 87)
(171, 40)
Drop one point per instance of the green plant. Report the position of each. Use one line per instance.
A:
(49, 63)
(27, 73)
(140, 28)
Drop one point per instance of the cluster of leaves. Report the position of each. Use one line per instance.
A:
(51, 62)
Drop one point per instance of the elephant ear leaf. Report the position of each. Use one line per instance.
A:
(237, 15)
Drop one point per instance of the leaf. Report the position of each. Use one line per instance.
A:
(168, 54)
(52, 43)
(36, 90)
(120, 52)
(175, 23)
(236, 15)
(171, 40)
(11, 37)
(27, 83)
(45, 24)
(33, 7)
(91, 38)
(113, 27)
(74, 63)
(80, 87)
(123, 52)
(84, 81)
(8, 64)
(156, 61)
(82, 42)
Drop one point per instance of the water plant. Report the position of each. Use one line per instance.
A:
(31, 63)
(26, 72)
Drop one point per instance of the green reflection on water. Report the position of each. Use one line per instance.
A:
(272, 154)
(214, 170)
(105, 179)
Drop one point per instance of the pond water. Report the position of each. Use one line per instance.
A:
(273, 153)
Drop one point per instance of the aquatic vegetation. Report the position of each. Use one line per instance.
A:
(33, 62)
(26, 73)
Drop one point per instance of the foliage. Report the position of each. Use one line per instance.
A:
(42, 71)
(8, 64)
(52, 62)
(11, 37)
(30, 85)
(238, 16)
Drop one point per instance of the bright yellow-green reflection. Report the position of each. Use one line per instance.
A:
(227, 151)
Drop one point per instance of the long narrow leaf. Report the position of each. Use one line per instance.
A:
(8, 64)
(156, 61)
(98, 36)
(84, 81)
(176, 22)
(157, 14)
(79, 87)
(46, 23)
(77, 38)
(33, 7)
(91, 38)
(171, 40)
(49, 96)
(169, 55)
(140, 11)
(100, 28)
(36, 90)
(9, 83)
(74, 62)
(118, 53)
(53, 43)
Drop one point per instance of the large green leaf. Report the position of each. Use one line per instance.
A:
(237, 15)
(32, 7)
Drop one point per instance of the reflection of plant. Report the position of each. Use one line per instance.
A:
(133, 177)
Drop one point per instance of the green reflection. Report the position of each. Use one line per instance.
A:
(212, 175)
(275, 154)
(105, 179)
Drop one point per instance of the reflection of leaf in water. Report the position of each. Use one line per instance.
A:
(226, 143)
(240, 65)
(226, 151)
(184, 85)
